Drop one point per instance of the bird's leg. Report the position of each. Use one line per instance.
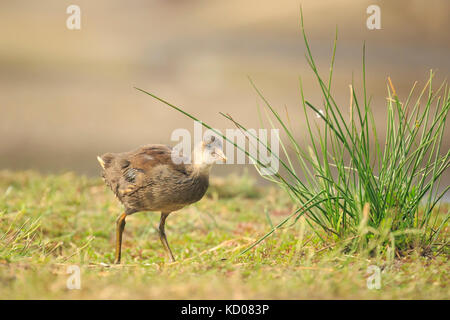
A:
(162, 235)
(120, 225)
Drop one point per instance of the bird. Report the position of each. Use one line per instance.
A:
(155, 177)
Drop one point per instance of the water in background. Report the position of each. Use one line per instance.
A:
(66, 96)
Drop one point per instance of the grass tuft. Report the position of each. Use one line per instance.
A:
(374, 195)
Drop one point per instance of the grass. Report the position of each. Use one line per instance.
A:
(50, 222)
(375, 196)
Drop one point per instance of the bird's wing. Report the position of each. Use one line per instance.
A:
(138, 168)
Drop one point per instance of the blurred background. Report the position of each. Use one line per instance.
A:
(67, 95)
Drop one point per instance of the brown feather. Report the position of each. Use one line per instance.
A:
(147, 179)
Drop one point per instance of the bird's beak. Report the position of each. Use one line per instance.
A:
(221, 155)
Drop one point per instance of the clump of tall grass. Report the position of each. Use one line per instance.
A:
(350, 185)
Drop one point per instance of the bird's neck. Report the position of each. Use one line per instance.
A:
(199, 164)
(201, 169)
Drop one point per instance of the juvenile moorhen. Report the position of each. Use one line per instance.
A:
(153, 178)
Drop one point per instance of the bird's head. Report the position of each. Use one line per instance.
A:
(210, 151)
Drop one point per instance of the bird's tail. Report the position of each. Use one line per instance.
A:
(100, 160)
(106, 160)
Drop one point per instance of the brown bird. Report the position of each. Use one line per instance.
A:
(155, 178)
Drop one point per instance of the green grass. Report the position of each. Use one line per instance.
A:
(372, 195)
(49, 222)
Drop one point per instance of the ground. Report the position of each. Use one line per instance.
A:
(49, 223)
